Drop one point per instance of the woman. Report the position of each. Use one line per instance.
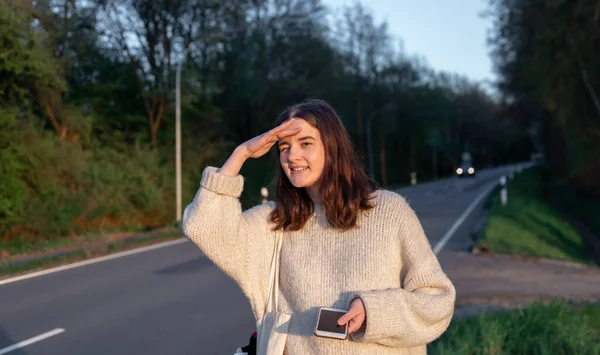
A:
(345, 244)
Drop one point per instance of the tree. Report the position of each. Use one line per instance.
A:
(147, 35)
(25, 64)
(545, 53)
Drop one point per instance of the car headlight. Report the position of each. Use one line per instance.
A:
(459, 171)
(471, 171)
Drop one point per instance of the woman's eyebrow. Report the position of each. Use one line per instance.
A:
(284, 141)
(306, 138)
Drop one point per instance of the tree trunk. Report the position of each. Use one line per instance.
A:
(26, 5)
(434, 161)
(382, 153)
(584, 75)
(51, 105)
(59, 127)
(155, 116)
(359, 123)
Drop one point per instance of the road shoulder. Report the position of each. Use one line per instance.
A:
(493, 281)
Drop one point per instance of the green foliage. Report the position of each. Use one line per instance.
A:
(69, 71)
(578, 203)
(527, 225)
(12, 191)
(24, 63)
(71, 189)
(546, 54)
(542, 329)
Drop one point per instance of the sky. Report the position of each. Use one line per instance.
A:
(449, 34)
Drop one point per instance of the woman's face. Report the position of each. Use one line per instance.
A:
(302, 156)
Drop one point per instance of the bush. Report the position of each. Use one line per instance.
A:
(13, 193)
(69, 188)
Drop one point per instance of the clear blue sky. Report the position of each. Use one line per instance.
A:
(449, 34)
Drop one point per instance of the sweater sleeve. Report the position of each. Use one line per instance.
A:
(421, 310)
(215, 223)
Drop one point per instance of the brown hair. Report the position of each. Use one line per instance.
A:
(345, 188)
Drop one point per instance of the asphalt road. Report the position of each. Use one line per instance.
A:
(172, 300)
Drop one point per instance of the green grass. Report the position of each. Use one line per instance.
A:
(7, 269)
(527, 225)
(554, 328)
(23, 246)
(32, 245)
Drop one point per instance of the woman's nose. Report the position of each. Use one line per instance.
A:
(294, 154)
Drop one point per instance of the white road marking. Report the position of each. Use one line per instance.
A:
(30, 341)
(438, 247)
(93, 261)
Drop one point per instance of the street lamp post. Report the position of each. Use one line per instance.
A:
(370, 146)
(178, 134)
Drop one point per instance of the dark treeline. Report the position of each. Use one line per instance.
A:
(547, 54)
(87, 103)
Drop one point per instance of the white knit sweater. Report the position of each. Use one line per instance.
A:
(387, 261)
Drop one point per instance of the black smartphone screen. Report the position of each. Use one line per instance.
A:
(328, 322)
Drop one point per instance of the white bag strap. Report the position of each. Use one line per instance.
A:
(273, 294)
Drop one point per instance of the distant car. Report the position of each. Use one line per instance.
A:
(465, 170)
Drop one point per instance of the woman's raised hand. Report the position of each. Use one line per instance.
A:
(260, 145)
(257, 147)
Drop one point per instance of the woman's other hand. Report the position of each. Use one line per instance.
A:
(260, 145)
(356, 316)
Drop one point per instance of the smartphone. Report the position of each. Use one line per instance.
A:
(327, 324)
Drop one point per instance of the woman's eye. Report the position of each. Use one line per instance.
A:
(283, 149)
(305, 144)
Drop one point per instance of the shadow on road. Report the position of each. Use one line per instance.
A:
(6, 341)
(188, 267)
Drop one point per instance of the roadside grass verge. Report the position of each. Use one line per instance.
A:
(528, 226)
(557, 327)
(22, 246)
(44, 261)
